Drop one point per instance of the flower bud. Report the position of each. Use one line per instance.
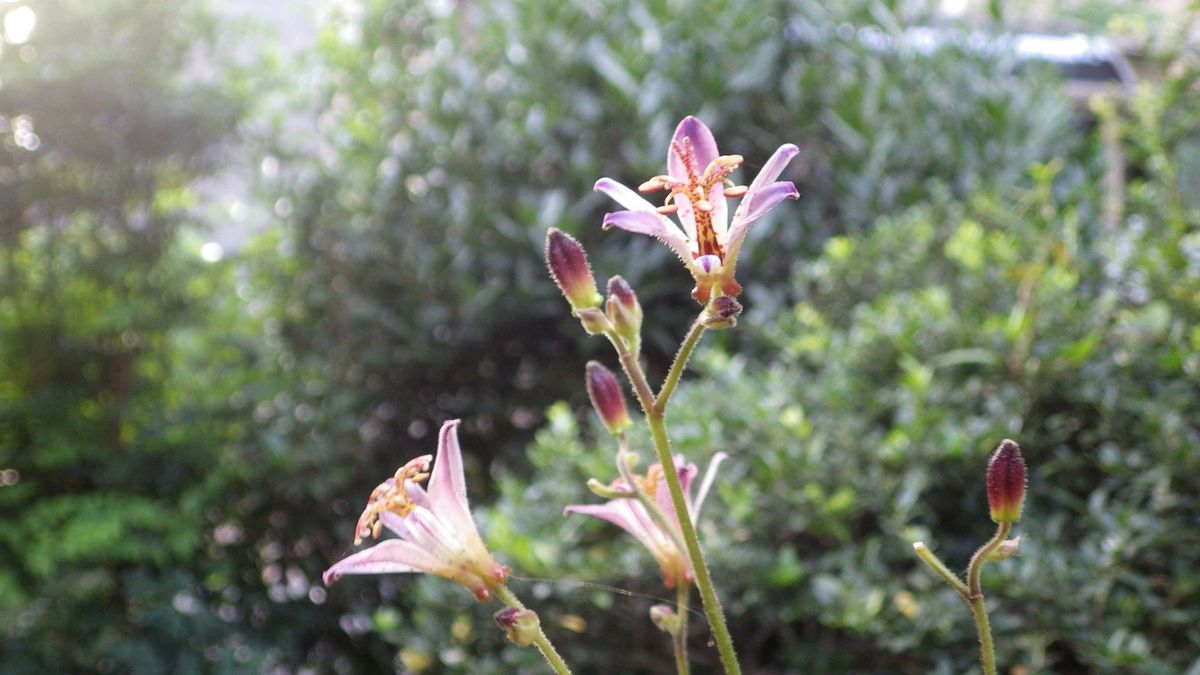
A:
(593, 320)
(605, 392)
(1006, 483)
(624, 312)
(521, 626)
(1005, 550)
(665, 618)
(722, 312)
(569, 266)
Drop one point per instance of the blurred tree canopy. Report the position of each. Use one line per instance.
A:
(184, 444)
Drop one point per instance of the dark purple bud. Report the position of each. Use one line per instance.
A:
(569, 266)
(1006, 482)
(605, 392)
(722, 312)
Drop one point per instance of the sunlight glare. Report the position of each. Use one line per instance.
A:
(212, 252)
(18, 25)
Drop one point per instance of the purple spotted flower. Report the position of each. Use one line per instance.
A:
(434, 530)
(629, 514)
(697, 183)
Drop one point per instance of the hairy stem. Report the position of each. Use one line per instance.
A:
(704, 584)
(940, 568)
(987, 652)
(655, 411)
(682, 591)
(681, 358)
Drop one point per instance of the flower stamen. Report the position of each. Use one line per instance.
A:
(391, 496)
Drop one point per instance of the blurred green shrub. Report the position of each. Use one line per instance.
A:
(126, 364)
(449, 141)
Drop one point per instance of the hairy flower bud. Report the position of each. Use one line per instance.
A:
(624, 312)
(665, 618)
(521, 626)
(593, 320)
(1005, 550)
(722, 312)
(569, 266)
(1006, 482)
(605, 392)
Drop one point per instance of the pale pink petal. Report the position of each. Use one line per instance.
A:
(704, 151)
(395, 523)
(774, 166)
(755, 205)
(606, 511)
(427, 530)
(417, 493)
(686, 216)
(704, 147)
(763, 194)
(624, 196)
(687, 472)
(447, 487)
(710, 474)
(765, 199)
(386, 557)
(654, 225)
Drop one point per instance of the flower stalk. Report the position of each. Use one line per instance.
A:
(654, 408)
(1006, 477)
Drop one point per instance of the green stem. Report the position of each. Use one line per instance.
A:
(682, 591)
(655, 411)
(704, 584)
(987, 652)
(980, 557)
(681, 359)
(633, 370)
(543, 643)
(944, 572)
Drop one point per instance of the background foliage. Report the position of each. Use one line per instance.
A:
(188, 443)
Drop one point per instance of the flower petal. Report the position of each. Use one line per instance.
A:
(710, 474)
(704, 147)
(623, 195)
(766, 198)
(704, 152)
(448, 488)
(686, 473)
(436, 536)
(654, 225)
(632, 517)
(754, 205)
(386, 557)
(774, 166)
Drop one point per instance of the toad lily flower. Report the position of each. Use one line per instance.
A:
(435, 530)
(697, 182)
(630, 515)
